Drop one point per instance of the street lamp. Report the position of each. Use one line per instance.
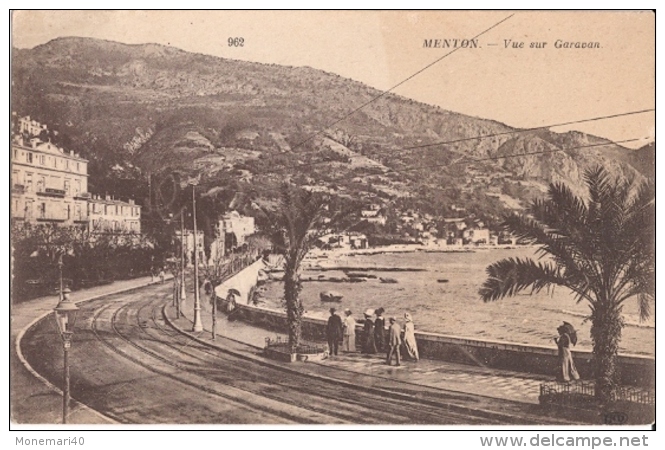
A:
(65, 318)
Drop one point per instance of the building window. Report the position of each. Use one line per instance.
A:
(42, 160)
(28, 157)
(42, 210)
(78, 212)
(78, 167)
(55, 162)
(41, 184)
(15, 154)
(28, 210)
(28, 182)
(67, 187)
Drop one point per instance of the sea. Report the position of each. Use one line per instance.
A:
(442, 297)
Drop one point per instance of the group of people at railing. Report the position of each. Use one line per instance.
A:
(378, 336)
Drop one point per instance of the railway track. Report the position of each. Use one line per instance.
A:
(129, 364)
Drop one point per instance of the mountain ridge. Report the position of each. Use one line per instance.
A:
(149, 109)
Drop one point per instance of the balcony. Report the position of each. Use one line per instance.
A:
(48, 218)
(83, 196)
(50, 192)
(18, 189)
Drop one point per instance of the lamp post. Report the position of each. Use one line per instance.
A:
(65, 318)
(198, 326)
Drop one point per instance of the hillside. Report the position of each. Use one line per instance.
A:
(142, 112)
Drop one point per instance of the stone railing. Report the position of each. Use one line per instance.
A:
(635, 370)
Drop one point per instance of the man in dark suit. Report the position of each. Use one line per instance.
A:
(394, 341)
(334, 332)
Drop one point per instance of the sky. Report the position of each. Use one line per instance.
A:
(522, 87)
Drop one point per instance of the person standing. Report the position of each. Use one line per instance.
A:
(334, 332)
(369, 346)
(380, 331)
(394, 341)
(349, 340)
(568, 369)
(410, 337)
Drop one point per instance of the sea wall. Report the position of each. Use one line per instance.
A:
(243, 282)
(635, 370)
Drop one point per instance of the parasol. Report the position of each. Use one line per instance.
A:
(570, 329)
(235, 292)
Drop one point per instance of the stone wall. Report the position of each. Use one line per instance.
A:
(635, 369)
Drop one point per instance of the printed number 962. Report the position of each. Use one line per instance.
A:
(236, 42)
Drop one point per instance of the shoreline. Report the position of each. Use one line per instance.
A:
(317, 254)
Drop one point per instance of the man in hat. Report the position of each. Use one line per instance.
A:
(394, 341)
(334, 332)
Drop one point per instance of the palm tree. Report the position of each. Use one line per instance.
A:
(293, 234)
(601, 248)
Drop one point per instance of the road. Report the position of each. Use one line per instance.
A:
(127, 363)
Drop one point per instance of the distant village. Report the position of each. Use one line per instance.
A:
(417, 229)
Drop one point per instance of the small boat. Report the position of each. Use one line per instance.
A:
(359, 275)
(387, 280)
(442, 280)
(329, 296)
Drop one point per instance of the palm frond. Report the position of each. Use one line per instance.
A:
(512, 275)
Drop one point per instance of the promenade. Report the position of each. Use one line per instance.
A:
(498, 394)
(438, 375)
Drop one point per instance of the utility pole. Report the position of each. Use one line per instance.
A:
(183, 246)
(198, 327)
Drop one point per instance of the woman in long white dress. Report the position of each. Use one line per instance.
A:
(349, 337)
(410, 337)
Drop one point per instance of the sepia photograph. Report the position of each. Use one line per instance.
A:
(333, 218)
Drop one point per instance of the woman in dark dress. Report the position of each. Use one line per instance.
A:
(380, 331)
(369, 345)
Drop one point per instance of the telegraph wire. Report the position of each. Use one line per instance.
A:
(387, 91)
(493, 158)
(524, 130)
(517, 131)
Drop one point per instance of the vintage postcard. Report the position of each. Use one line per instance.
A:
(333, 218)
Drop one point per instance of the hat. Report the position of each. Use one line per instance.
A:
(332, 310)
(379, 311)
(369, 313)
(407, 317)
(348, 312)
(392, 319)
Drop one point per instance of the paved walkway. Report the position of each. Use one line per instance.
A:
(500, 384)
(33, 399)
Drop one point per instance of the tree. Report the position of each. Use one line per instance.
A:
(293, 233)
(601, 248)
